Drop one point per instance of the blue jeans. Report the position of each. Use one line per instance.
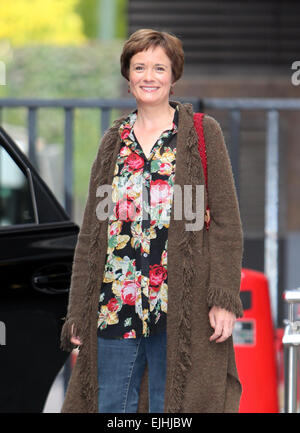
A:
(121, 364)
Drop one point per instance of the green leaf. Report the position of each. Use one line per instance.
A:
(127, 322)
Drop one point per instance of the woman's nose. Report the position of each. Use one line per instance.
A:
(148, 74)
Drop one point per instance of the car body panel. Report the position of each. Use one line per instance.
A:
(37, 241)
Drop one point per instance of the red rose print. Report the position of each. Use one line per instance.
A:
(134, 162)
(130, 334)
(129, 292)
(126, 210)
(154, 288)
(124, 151)
(125, 133)
(160, 191)
(165, 167)
(157, 275)
(113, 304)
(153, 292)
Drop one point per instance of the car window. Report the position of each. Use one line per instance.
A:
(16, 205)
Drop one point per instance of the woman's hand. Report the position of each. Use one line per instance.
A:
(223, 322)
(75, 340)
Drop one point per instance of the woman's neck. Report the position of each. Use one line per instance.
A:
(154, 117)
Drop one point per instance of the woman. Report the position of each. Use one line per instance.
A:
(152, 305)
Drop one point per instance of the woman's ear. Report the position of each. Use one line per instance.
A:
(172, 88)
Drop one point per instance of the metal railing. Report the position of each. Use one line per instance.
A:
(234, 107)
(104, 106)
(291, 343)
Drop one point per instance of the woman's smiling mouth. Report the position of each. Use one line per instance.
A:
(149, 88)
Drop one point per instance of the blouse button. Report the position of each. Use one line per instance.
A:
(145, 254)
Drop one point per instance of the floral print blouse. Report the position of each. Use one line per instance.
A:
(134, 291)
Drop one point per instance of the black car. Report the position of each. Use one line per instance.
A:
(37, 247)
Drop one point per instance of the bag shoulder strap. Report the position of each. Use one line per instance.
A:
(198, 123)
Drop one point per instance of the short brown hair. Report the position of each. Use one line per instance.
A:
(143, 39)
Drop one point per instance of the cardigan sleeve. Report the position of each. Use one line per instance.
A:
(225, 236)
(80, 269)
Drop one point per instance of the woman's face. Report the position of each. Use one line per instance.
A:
(150, 76)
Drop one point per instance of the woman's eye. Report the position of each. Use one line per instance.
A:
(160, 68)
(139, 68)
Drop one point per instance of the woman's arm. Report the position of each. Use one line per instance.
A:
(225, 231)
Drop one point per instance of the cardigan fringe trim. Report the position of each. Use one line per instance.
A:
(186, 245)
(183, 362)
(224, 299)
(89, 391)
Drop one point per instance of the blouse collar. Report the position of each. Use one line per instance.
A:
(126, 127)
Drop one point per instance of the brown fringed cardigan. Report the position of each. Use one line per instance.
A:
(204, 269)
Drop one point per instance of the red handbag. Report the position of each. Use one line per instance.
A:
(198, 118)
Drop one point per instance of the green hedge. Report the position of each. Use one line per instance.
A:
(42, 71)
(89, 13)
